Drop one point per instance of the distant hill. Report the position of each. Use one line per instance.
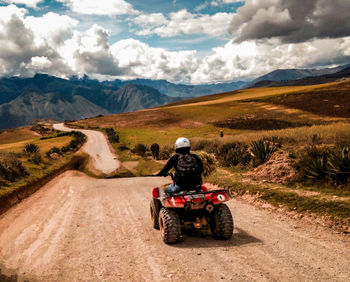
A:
(311, 80)
(23, 100)
(33, 106)
(294, 74)
(181, 90)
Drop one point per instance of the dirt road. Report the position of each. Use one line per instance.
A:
(104, 159)
(77, 228)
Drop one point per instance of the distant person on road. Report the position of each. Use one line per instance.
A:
(221, 133)
(188, 168)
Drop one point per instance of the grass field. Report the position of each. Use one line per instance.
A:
(16, 135)
(197, 117)
(17, 168)
(293, 115)
(44, 145)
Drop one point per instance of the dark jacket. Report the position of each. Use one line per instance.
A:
(183, 183)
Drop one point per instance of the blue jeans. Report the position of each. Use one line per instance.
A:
(173, 188)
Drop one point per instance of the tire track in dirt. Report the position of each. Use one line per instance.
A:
(77, 228)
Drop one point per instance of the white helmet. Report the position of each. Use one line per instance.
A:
(182, 142)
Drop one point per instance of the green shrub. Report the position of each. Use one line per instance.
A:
(74, 145)
(312, 163)
(140, 149)
(209, 162)
(209, 146)
(11, 169)
(36, 159)
(79, 139)
(261, 151)
(40, 129)
(339, 166)
(238, 155)
(315, 139)
(165, 152)
(65, 149)
(316, 168)
(54, 150)
(31, 148)
(228, 154)
(113, 137)
(123, 147)
(275, 140)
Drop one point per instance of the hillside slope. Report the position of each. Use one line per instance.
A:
(310, 80)
(181, 90)
(34, 106)
(23, 100)
(294, 74)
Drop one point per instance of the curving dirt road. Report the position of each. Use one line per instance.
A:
(104, 159)
(77, 228)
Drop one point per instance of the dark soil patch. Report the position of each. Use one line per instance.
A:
(257, 124)
(332, 101)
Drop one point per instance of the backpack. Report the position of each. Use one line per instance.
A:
(187, 166)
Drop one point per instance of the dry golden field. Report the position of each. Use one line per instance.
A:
(299, 118)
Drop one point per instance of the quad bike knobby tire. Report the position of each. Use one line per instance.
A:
(169, 225)
(154, 217)
(221, 224)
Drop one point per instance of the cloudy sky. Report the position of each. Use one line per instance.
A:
(182, 41)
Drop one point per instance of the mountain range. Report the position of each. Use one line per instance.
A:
(295, 74)
(309, 80)
(181, 90)
(23, 100)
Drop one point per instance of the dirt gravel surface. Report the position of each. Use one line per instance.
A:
(97, 147)
(78, 228)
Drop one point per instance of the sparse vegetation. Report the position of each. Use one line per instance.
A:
(165, 152)
(259, 121)
(11, 168)
(21, 162)
(257, 124)
(41, 129)
(261, 151)
(338, 164)
(31, 148)
(54, 151)
(140, 149)
(113, 137)
(36, 159)
(209, 162)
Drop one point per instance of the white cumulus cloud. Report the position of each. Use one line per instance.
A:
(100, 7)
(52, 44)
(27, 3)
(253, 58)
(157, 63)
(291, 21)
(25, 47)
(51, 28)
(183, 22)
(89, 53)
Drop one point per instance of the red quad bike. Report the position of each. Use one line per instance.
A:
(201, 209)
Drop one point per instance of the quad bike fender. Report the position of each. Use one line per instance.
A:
(157, 206)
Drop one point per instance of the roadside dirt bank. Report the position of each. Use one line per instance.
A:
(78, 228)
(16, 196)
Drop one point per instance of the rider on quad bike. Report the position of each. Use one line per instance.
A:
(188, 168)
(187, 203)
